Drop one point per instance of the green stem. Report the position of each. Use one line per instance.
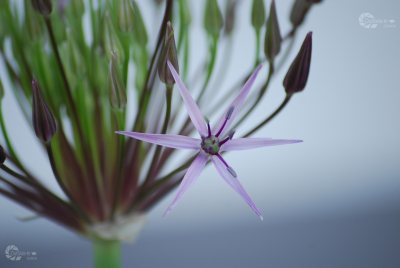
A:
(269, 118)
(107, 254)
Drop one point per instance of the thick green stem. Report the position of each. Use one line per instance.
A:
(107, 254)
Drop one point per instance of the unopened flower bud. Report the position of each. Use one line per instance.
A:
(168, 53)
(258, 14)
(43, 119)
(299, 11)
(297, 75)
(213, 21)
(44, 7)
(1, 91)
(117, 90)
(3, 155)
(273, 38)
(230, 16)
(125, 15)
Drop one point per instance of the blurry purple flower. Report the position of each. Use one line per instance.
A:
(212, 143)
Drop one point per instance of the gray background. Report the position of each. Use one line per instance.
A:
(332, 201)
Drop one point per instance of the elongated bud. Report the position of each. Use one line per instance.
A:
(213, 21)
(111, 38)
(230, 16)
(43, 119)
(296, 78)
(139, 28)
(3, 155)
(117, 90)
(273, 38)
(168, 53)
(125, 15)
(1, 90)
(44, 7)
(299, 11)
(258, 14)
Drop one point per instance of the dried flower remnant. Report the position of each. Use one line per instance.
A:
(213, 142)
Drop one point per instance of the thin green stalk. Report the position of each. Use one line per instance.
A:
(257, 55)
(107, 254)
(269, 118)
(210, 68)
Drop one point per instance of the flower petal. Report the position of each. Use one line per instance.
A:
(251, 143)
(234, 183)
(237, 103)
(191, 106)
(172, 141)
(190, 177)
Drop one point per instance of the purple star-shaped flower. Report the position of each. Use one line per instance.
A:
(212, 143)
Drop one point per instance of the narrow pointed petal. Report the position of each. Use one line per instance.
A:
(172, 141)
(234, 183)
(251, 143)
(237, 103)
(191, 106)
(190, 177)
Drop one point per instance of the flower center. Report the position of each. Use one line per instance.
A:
(210, 145)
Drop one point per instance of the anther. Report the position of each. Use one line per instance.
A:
(233, 173)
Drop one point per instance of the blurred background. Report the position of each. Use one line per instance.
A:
(332, 201)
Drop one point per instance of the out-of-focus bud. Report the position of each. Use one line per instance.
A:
(273, 38)
(139, 28)
(43, 119)
(213, 21)
(230, 16)
(3, 155)
(168, 53)
(44, 7)
(297, 75)
(299, 11)
(1, 91)
(125, 15)
(111, 39)
(258, 14)
(117, 90)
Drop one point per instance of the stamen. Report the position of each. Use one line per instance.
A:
(227, 117)
(230, 136)
(230, 170)
(209, 129)
(233, 173)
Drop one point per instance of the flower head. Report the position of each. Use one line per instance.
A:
(212, 143)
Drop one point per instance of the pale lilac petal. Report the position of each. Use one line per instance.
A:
(237, 103)
(251, 143)
(191, 106)
(190, 177)
(235, 184)
(172, 141)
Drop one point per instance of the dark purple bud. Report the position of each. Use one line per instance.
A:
(43, 119)
(300, 10)
(168, 53)
(44, 7)
(3, 155)
(273, 38)
(297, 75)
